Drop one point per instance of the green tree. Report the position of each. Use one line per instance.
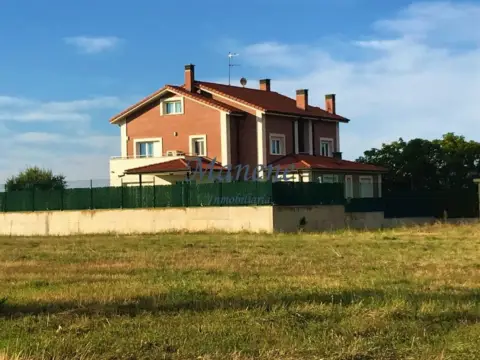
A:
(36, 178)
(447, 163)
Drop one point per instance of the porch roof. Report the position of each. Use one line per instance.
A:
(176, 165)
(314, 162)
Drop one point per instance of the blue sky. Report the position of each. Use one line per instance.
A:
(398, 68)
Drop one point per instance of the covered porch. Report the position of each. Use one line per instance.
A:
(360, 180)
(172, 172)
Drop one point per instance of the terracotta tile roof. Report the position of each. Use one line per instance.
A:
(305, 162)
(143, 101)
(178, 89)
(219, 105)
(269, 101)
(175, 165)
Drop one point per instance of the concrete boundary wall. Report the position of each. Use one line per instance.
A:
(260, 219)
(308, 218)
(128, 221)
(266, 219)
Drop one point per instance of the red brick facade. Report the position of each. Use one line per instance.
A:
(197, 119)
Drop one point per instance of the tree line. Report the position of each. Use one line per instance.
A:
(447, 163)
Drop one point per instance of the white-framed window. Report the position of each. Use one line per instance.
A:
(277, 144)
(198, 145)
(366, 186)
(172, 106)
(326, 147)
(328, 179)
(147, 147)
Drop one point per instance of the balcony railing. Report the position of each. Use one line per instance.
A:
(151, 157)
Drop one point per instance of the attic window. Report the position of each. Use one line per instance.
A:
(172, 106)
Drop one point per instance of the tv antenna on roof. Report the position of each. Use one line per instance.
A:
(230, 56)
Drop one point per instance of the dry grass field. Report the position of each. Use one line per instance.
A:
(397, 294)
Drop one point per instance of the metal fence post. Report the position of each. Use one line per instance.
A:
(121, 194)
(33, 198)
(91, 194)
(477, 182)
(141, 192)
(154, 196)
(220, 197)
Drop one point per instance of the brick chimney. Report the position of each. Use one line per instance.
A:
(189, 77)
(330, 103)
(265, 84)
(302, 99)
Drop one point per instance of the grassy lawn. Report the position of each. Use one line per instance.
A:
(396, 294)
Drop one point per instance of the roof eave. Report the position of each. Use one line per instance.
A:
(306, 116)
(234, 98)
(139, 172)
(138, 105)
(363, 171)
(155, 96)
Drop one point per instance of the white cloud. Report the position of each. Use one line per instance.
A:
(73, 148)
(38, 138)
(433, 21)
(26, 110)
(101, 102)
(79, 159)
(12, 101)
(420, 76)
(88, 140)
(93, 45)
(34, 116)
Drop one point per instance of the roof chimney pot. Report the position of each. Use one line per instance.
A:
(189, 77)
(302, 99)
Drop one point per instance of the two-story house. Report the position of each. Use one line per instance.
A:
(235, 125)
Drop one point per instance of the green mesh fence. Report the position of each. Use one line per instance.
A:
(178, 195)
(365, 205)
(461, 203)
(295, 193)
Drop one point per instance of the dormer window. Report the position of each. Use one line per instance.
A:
(172, 106)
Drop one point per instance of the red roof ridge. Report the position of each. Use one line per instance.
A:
(200, 83)
(215, 103)
(282, 104)
(325, 163)
(138, 103)
(266, 101)
(171, 166)
(305, 163)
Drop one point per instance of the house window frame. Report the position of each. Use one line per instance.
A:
(335, 179)
(164, 102)
(157, 153)
(330, 147)
(191, 138)
(281, 138)
(364, 177)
